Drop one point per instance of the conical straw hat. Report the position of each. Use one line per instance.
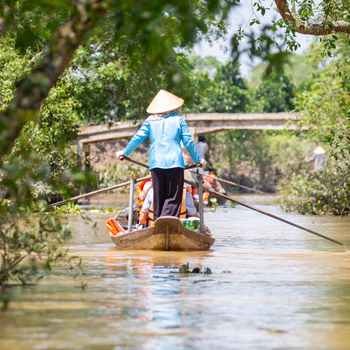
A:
(319, 150)
(164, 102)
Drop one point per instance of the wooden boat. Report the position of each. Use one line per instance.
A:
(167, 233)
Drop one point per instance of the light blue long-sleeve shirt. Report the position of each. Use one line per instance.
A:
(165, 134)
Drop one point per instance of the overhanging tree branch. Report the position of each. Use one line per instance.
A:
(316, 29)
(33, 90)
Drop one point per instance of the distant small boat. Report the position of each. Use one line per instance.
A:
(167, 233)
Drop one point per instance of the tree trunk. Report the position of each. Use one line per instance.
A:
(33, 90)
(316, 29)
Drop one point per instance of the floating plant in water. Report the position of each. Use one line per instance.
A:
(186, 269)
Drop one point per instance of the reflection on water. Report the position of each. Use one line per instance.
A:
(282, 289)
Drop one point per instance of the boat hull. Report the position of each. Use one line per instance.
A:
(168, 233)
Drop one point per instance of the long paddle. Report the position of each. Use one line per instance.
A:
(98, 191)
(146, 166)
(270, 215)
(112, 187)
(233, 183)
(248, 206)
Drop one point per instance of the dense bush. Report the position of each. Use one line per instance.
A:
(314, 193)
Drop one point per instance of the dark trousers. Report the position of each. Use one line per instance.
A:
(167, 191)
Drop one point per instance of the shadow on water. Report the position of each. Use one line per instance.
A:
(272, 287)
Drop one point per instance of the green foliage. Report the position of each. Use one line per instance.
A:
(301, 69)
(12, 68)
(230, 90)
(107, 80)
(29, 239)
(275, 93)
(262, 158)
(185, 269)
(324, 110)
(225, 93)
(317, 193)
(206, 64)
(309, 17)
(214, 203)
(207, 271)
(26, 244)
(71, 208)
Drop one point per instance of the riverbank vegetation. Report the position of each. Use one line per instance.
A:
(68, 64)
(63, 65)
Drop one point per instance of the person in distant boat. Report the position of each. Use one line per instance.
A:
(209, 182)
(144, 187)
(201, 146)
(187, 206)
(318, 158)
(166, 128)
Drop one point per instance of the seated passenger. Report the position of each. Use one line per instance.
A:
(144, 187)
(187, 206)
(187, 209)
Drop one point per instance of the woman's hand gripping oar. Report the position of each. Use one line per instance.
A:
(270, 215)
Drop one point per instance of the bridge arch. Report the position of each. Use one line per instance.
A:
(198, 123)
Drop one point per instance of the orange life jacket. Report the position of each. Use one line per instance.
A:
(211, 181)
(142, 185)
(114, 227)
(183, 211)
(205, 196)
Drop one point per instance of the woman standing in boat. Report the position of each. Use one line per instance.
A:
(166, 129)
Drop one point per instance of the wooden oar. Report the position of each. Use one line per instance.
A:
(252, 208)
(98, 191)
(270, 215)
(115, 186)
(146, 166)
(231, 183)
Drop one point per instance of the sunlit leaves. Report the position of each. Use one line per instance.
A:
(276, 92)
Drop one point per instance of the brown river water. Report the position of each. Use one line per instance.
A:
(272, 287)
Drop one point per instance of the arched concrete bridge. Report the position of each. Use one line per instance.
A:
(199, 123)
